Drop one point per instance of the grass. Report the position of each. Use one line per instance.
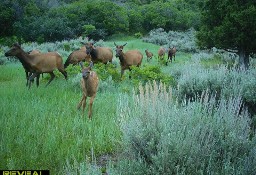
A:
(41, 127)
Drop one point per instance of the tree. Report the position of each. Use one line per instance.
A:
(229, 25)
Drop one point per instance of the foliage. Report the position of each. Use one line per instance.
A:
(207, 136)
(229, 25)
(183, 41)
(149, 73)
(23, 18)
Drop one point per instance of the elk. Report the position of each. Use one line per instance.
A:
(76, 56)
(129, 58)
(89, 85)
(26, 67)
(171, 53)
(38, 63)
(148, 54)
(161, 53)
(99, 54)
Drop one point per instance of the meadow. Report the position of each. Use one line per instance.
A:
(192, 122)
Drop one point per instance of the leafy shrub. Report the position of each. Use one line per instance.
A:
(207, 136)
(148, 73)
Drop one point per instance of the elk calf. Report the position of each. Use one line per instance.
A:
(89, 84)
(149, 54)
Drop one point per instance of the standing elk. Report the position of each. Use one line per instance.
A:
(161, 53)
(148, 54)
(171, 53)
(89, 84)
(76, 56)
(38, 63)
(129, 58)
(99, 54)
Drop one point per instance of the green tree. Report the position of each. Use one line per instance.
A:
(229, 25)
(7, 17)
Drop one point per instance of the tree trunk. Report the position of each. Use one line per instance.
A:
(243, 58)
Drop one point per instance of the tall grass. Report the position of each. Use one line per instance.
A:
(201, 137)
(152, 126)
(42, 129)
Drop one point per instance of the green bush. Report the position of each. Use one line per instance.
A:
(148, 73)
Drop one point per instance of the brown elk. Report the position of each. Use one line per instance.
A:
(99, 54)
(89, 84)
(171, 53)
(38, 63)
(76, 56)
(148, 54)
(129, 58)
(161, 53)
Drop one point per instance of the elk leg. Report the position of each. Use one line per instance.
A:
(80, 103)
(31, 78)
(52, 77)
(90, 107)
(37, 80)
(64, 73)
(84, 102)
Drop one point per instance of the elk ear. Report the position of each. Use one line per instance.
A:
(115, 43)
(124, 44)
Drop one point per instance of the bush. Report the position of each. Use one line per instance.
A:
(183, 41)
(148, 73)
(207, 136)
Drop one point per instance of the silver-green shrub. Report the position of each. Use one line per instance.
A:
(183, 41)
(206, 136)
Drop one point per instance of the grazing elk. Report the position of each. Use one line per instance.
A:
(129, 58)
(161, 53)
(38, 63)
(171, 53)
(148, 54)
(89, 84)
(99, 54)
(76, 56)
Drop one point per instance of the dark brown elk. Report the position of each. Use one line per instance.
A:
(171, 53)
(89, 84)
(76, 56)
(129, 58)
(161, 53)
(38, 63)
(148, 54)
(99, 54)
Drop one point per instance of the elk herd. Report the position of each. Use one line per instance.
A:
(36, 63)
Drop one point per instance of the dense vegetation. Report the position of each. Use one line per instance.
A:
(50, 20)
(196, 122)
(195, 116)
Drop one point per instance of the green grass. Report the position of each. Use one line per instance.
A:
(41, 127)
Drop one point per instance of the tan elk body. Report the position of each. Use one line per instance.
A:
(99, 54)
(129, 58)
(148, 54)
(39, 63)
(89, 85)
(76, 56)
(161, 53)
